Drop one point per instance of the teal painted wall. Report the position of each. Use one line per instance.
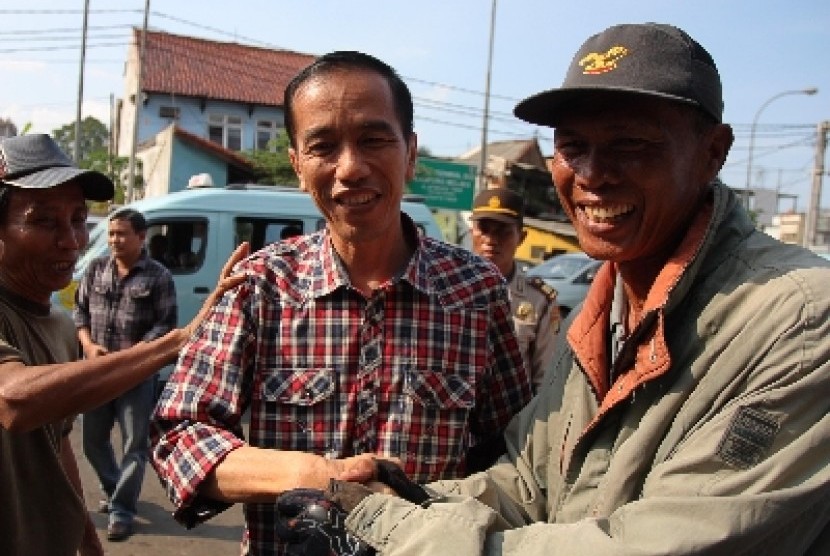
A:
(188, 161)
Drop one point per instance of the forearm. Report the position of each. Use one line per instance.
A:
(35, 395)
(250, 474)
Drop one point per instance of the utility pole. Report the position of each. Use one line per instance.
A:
(482, 170)
(136, 101)
(815, 194)
(77, 153)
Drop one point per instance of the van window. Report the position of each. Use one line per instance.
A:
(179, 243)
(259, 232)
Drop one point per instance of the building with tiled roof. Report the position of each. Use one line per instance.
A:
(203, 69)
(225, 93)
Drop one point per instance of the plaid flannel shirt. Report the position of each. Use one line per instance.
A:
(120, 313)
(425, 365)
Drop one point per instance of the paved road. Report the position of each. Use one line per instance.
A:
(157, 534)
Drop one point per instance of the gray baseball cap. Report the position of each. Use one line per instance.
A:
(650, 59)
(36, 162)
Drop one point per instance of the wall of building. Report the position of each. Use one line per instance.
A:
(190, 161)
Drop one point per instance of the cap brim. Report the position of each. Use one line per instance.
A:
(546, 108)
(95, 185)
(506, 218)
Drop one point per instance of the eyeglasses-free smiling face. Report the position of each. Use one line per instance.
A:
(352, 155)
(631, 172)
(43, 234)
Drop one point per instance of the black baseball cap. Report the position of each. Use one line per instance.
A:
(650, 59)
(36, 162)
(500, 204)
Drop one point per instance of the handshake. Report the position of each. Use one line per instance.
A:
(312, 522)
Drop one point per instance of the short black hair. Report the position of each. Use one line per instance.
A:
(350, 59)
(135, 218)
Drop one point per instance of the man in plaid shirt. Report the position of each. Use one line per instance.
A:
(124, 298)
(361, 340)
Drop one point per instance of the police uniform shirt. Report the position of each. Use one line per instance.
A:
(536, 317)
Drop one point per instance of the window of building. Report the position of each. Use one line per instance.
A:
(266, 130)
(225, 130)
(171, 112)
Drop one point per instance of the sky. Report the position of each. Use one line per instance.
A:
(763, 48)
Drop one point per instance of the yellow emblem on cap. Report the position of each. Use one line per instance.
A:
(494, 202)
(602, 62)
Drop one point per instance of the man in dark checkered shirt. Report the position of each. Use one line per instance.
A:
(361, 340)
(124, 298)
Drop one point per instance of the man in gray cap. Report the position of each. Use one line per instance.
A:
(43, 214)
(687, 407)
(496, 233)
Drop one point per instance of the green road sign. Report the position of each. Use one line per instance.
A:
(443, 184)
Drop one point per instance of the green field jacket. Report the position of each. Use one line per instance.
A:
(713, 437)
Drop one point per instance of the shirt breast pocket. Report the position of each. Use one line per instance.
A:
(297, 410)
(435, 423)
(441, 390)
(140, 292)
(298, 387)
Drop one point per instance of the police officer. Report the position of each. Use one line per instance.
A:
(497, 232)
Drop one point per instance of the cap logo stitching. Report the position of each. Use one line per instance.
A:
(494, 202)
(602, 62)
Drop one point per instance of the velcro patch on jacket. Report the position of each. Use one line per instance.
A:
(748, 438)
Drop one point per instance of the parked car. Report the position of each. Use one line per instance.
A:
(571, 274)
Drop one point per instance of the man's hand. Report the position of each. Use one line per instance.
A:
(311, 523)
(388, 479)
(94, 350)
(385, 476)
(226, 282)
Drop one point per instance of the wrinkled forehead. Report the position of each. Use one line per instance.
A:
(598, 105)
(611, 111)
(69, 195)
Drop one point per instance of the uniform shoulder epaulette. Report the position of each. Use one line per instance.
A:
(549, 291)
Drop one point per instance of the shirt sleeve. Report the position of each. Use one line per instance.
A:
(197, 421)
(164, 306)
(768, 518)
(693, 502)
(507, 385)
(80, 313)
(547, 326)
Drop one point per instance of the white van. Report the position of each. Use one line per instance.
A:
(203, 226)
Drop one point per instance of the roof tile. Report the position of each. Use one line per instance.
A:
(202, 68)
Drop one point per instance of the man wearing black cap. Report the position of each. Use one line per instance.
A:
(687, 407)
(496, 234)
(42, 232)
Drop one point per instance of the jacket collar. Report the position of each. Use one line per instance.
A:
(588, 334)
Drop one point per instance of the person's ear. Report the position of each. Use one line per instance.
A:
(295, 163)
(720, 140)
(412, 157)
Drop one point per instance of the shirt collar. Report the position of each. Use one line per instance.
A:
(331, 273)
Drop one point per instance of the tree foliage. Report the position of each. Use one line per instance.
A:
(94, 147)
(94, 136)
(7, 128)
(272, 165)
